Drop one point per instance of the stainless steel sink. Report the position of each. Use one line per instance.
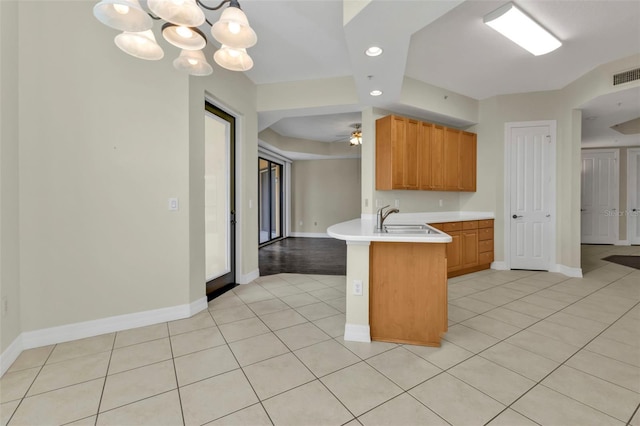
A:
(408, 229)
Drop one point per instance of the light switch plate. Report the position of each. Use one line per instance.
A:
(173, 204)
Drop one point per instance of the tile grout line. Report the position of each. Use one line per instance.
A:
(106, 374)
(563, 364)
(175, 372)
(23, 397)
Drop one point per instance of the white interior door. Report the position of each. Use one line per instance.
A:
(599, 202)
(633, 196)
(531, 182)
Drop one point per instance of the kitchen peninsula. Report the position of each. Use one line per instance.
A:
(397, 280)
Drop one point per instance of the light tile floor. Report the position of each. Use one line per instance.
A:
(523, 348)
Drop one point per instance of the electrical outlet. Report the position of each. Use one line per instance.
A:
(300, 223)
(357, 287)
(440, 203)
(397, 203)
(366, 202)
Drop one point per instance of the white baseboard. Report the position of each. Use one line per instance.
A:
(566, 270)
(10, 355)
(357, 333)
(623, 243)
(310, 234)
(247, 278)
(499, 266)
(81, 330)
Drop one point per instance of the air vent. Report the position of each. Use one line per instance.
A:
(626, 77)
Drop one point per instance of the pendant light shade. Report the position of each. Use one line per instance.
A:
(179, 12)
(123, 15)
(233, 59)
(142, 45)
(184, 37)
(233, 30)
(193, 62)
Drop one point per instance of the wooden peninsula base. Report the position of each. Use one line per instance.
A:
(408, 292)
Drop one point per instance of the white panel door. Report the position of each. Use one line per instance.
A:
(599, 202)
(530, 197)
(633, 196)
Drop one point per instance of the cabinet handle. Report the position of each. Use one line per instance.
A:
(515, 216)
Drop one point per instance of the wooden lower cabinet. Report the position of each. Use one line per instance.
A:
(408, 292)
(471, 248)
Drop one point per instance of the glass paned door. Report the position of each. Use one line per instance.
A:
(219, 177)
(270, 191)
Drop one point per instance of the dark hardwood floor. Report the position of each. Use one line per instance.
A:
(322, 256)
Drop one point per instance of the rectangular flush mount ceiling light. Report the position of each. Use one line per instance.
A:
(514, 24)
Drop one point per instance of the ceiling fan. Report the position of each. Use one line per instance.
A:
(355, 137)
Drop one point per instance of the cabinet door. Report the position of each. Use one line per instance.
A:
(410, 167)
(424, 155)
(398, 128)
(454, 251)
(469, 248)
(437, 157)
(467, 162)
(451, 158)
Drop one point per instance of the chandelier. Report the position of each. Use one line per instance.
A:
(182, 18)
(356, 136)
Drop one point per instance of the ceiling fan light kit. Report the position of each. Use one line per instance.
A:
(356, 136)
(520, 28)
(182, 18)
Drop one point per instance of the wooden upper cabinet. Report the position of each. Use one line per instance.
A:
(410, 176)
(451, 159)
(437, 158)
(396, 153)
(424, 155)
(412, 154)
(467, 161)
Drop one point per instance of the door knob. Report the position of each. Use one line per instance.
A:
(515, 216)
(634, 210)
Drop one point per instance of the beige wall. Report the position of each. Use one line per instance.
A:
(10, 326)
(105, 140)
(323, 193)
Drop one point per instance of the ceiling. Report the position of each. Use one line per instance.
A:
(442, 43)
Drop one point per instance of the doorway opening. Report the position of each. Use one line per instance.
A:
(220, 194)
(270, 201)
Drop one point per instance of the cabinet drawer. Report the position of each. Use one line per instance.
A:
(470, 224)
(449, 226)
(485, 234)
(484, 258)
(485, 246)
(487, 223)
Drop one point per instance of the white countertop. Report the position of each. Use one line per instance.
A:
(364, 229)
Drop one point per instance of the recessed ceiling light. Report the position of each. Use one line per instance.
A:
(375, 92)
(373, 51)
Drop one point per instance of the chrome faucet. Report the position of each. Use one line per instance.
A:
(381, 216)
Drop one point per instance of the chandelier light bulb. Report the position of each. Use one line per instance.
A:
(122, 9)
(184, 32)
(234, 27)
(192, 61)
